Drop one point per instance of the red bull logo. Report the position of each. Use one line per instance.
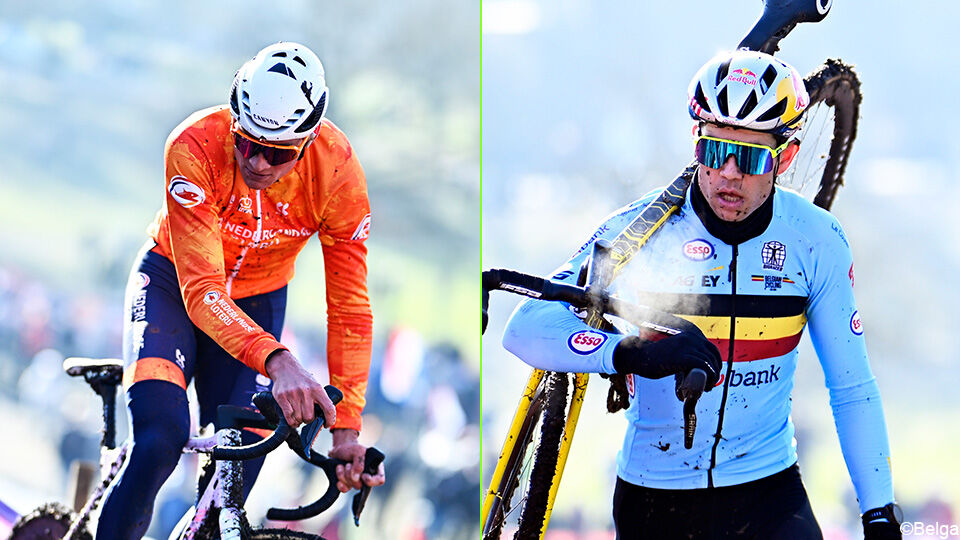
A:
(744, 76)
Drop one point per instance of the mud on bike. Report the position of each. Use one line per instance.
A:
(219, 511)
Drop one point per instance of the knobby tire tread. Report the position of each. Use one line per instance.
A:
(49, 521)
(547, 454)
(837, 85)
(493, 522)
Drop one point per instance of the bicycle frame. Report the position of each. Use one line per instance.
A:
(224, 492)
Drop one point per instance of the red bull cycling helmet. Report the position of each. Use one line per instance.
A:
(751, 90)
(280, 94)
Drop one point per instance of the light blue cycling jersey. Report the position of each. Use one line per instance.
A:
(752, 300)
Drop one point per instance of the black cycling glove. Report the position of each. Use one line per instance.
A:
(671, 355)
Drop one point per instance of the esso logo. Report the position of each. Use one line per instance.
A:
(586, 342)
(856, 326)
(698, 250)
(211, 297)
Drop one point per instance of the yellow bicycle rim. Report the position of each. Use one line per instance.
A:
(528, 394)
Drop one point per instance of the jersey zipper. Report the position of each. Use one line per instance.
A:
(253, 243)
(726, 382)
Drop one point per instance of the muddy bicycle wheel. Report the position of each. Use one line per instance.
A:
(47, 522)
(827, 135)
(531, 465)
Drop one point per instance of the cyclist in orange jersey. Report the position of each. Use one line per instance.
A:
(247, 184)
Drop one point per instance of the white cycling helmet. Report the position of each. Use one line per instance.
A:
(751, 90)
(280, 94)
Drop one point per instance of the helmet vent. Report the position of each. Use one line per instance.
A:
(280, 67)
(722, 72)
(774, 112)
(748, 106)
(311, 121)
(722, 102)
(700, 98)
(280, 54)
(767, 79)
(300, 61)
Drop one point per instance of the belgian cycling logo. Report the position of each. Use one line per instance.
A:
(856, 326)
(771, 283)
(773, 254)
(185, 192)
(698, 250)
(211, 298)
(363, 230)
(586, 341)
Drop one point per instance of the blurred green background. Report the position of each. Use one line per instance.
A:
(584, 110)
(89, 95)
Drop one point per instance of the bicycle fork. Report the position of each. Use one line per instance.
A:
(529, 393)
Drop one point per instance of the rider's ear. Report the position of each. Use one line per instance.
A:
(786, 157)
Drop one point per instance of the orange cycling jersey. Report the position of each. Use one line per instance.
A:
(229, 241)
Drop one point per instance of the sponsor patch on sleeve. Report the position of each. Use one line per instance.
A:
(586, 341)
(856, 326)
(211, 298)
(363, 230)
(185, 192)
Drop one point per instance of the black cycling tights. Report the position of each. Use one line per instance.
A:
(775, 507)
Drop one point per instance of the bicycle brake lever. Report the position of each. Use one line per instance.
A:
(310, 431)
(371, 464)
(690, 390)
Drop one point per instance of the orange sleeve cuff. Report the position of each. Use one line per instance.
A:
(256, 357)
(347, 419)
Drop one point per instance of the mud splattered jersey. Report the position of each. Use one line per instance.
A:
(229, 241)
(753, 300)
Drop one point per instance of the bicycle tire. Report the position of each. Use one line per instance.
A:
(834, 88)
(545, 458)
(501, 507)
(49, 521)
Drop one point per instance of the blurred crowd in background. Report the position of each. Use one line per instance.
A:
(89, 95)
(422, 411)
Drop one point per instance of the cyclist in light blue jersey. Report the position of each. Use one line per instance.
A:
(751, 265)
